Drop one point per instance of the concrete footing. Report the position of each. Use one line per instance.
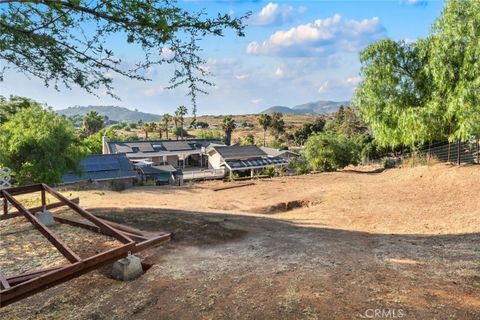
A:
(127, 268)
(45, 217)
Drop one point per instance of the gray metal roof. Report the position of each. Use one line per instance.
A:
(178, 145)
(239, 152)
(159, 146)
(279, 153)
(256, 163)
(102, 167)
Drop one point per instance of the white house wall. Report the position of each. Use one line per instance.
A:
(214, 160)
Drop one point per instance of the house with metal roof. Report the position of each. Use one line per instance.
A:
(182, 154)
(100, 168)
(188, 157)
(238, 158)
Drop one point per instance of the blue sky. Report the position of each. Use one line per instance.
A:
(293, 52)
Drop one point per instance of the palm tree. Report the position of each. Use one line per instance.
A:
(265, 120)
(166, 119)
(92, 122)
(153, 126)
(180, 113)
(160, 130)
(277, 124)
(146, 127)
(175, 124)
(228, 125)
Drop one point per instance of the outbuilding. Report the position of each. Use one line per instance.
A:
(242, 159)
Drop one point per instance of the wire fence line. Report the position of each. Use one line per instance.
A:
(458, 152)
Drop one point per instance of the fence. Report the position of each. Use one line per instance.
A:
(458, 152)
(203, 174)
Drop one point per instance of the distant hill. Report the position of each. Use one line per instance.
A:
(281, 109)
(317, 107)
(112, 112)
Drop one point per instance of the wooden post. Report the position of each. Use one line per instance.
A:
(59, 244)
(458, 152)
(478, 150)
(429, 152)
(448, 160)
(5, 206)
(44, 201)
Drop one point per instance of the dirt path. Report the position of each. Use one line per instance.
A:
(336, 257)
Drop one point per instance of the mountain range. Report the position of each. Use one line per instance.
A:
(112, 112)
(317, 107)
(126, 115)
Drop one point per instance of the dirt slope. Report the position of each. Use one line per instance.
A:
(327, 246)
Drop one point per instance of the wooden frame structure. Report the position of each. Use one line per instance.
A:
(21, 286)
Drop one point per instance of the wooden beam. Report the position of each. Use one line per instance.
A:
(122, 227)
(3, 281)
(90, 226)
(76, 223)
(24, 189)
(134, 237)
(87, 215)
(55, 277)
(30, 275)
(62, 247)
(152, 242)
(37, 209)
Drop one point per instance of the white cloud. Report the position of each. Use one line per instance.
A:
(323, 87)
(279, 72)
(153, 91)
(167, 53)
(415, 2)
(320, 37)
(256, 101)
(273, 13)
(241, 76)
(409, 40)
(352, 81)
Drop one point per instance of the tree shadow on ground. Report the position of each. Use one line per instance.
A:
(241, 266)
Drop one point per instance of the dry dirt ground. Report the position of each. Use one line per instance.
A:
(327, 246)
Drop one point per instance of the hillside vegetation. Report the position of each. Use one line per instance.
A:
(114, 113)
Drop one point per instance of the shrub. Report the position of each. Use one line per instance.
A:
(300, 166)
(177, 131)
(279, 171)
(201, 124)
(329, 152)
(389, 163)
(209, 134)
(269, 171)
(248, 140)
(233, 176)
(277, 144)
